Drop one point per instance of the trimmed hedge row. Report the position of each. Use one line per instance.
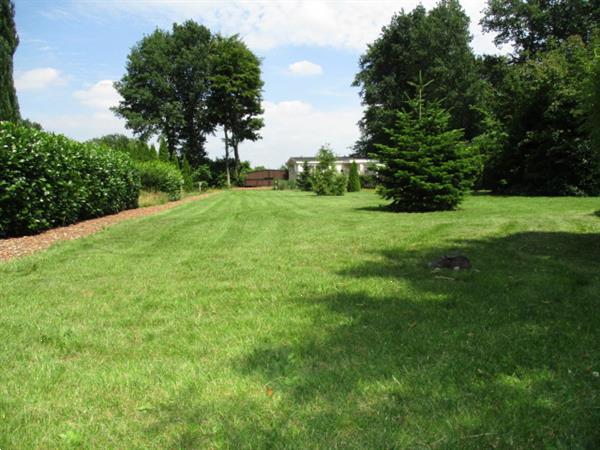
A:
(161, 176)
(48, 180)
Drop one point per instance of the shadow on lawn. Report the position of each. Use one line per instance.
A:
(498, 356)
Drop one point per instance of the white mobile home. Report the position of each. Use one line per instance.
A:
(342, 164)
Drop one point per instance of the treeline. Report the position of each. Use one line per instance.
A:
(532, 118)
(186, 83)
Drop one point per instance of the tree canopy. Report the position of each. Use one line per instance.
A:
(434, 43)
(532, 25)
(182, 84)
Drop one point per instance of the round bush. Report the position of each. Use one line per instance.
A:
(48, 180)
(161, 176)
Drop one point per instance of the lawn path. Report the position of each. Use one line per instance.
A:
(15, 247)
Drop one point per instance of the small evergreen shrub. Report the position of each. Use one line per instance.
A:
(48, 180)
(186, 173)
(161, 176)
(353, 178)
(304, 180)
(428, 166)
(325, 179)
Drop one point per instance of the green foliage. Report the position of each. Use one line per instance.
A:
(284, 185)
(186, 173)
(161, 176)
(325, 179)
(305, 180)
(434, 43)
(9, 40)
(48, 180)
(236, 94)
(163, 150)
(591, 102)
(353, 178)
(548, 150)
(428, 167)
(161, 67)
(137, 149)
(533, 25)
(368, 181)
(203, 175)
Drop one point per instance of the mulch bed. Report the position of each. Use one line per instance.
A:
(14, 247)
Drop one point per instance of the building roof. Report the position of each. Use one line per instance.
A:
(338, 158)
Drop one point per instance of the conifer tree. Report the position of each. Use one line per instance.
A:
(353, 178)
(9, 106)
(428, 166)
(186, 171)
(325, 180)
(163, 150)
(304, 180)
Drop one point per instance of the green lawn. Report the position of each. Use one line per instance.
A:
(279, 319)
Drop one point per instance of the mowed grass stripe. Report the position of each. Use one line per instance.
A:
(278, 319)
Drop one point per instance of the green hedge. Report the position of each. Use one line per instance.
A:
(48, 180)
(161, 176)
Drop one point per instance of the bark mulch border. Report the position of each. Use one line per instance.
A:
(11, 248)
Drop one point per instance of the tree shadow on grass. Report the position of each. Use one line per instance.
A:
(503, 355)
(597, 213)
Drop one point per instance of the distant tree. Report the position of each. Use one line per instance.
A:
(9, 40)
(428, 166)
(166, 87)
(353, 178)
(203, 175)
(548, 149)
(175, 161)
(163, 150)
(532, 25)
(31, 124)
(137, 149)
(186, 172)
(325, 179)
(434, 43)
(592, 99)
(259, 168)
(304, 181)
(236, 94)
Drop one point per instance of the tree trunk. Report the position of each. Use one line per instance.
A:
(236, 154)
(227, 158)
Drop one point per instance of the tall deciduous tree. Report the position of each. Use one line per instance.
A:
(531, 25)
(9, 40)
(166, 87)
(434, 43)
(236, 93)
(427, 166)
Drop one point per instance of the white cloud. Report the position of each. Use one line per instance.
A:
(101, 95)
(305, 68)
(265, 24)
(83, 126)
(296, 128)
(38, 79)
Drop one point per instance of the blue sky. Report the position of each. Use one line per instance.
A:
(71, 52)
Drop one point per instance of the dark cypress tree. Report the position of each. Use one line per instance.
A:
(353, 178)
(428, 166)
(305, 179)
(9, 106)
(186, 171)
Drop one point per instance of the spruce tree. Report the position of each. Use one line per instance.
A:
(353, 178)
(9, 106)
(428, 166)
(326, 180)
(304, 180)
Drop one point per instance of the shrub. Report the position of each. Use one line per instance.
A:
(368, 181)
(186, 173)
(161, 176)
(48, 180)
(353, 178)
(325, 180)
(304, 179)
(428, 166)
(284, 185)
